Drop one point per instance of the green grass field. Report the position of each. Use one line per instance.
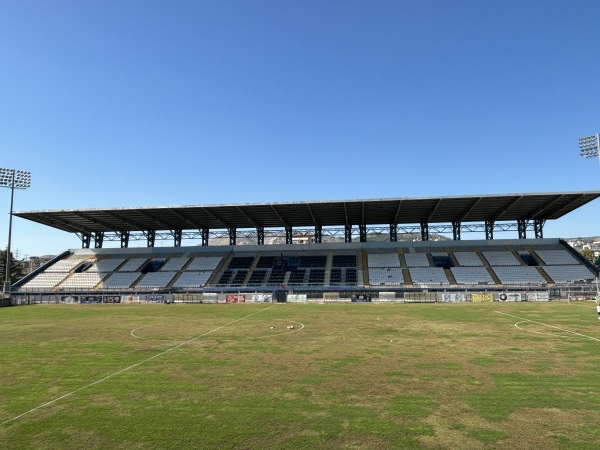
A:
(436, 376)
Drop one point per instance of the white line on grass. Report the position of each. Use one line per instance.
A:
(547, 325)
(152, 339)
(593, 303)
(539, 332)
(130, 367)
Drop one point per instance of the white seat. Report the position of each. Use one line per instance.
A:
(416, 259)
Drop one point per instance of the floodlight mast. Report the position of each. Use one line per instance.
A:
(13, 179)
(589, 146)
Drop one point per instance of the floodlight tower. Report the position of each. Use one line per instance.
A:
(589, 146)
(13, 179)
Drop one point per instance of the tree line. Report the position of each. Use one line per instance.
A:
(16, 271)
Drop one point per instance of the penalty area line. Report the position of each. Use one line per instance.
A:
(547, 325)
(133, 366)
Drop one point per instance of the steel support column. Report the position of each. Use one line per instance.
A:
(150, 238)
(362, 231)
(522, 228)
(318, 234)
(538, 226)
(124, 239)
(232, 235)
(456, 231)
(177, 235)
(86, 239)
(260, 235)
(98, 239)
(348, 233)
(424, 231)
(489, 229)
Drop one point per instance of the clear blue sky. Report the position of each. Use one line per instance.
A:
(154, 103)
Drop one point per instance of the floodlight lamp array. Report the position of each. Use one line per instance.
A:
(18, 179)
(588, 146)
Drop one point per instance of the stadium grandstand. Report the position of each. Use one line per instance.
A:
(402, 249)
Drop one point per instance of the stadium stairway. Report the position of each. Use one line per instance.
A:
(180, 271)
(517, 256)
(116, 269)
(362, 268)
(174, 280)
(544, 275)
(487, 266)
(450, 277)
(452, 257)
(534, 255)
(328, 265)
(251, 269)
(100, 283)
(405, 272)
(73, 270)
(407, 278)
(286, 278)
(137, 280)
(220, 269)
(401, 258)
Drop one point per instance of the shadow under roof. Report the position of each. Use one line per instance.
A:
(471, 208)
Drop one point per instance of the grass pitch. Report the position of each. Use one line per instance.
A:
(434, 376)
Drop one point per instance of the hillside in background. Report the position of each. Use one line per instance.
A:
(383, 237)
(580, 243)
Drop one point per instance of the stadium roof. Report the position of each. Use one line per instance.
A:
(474, 208)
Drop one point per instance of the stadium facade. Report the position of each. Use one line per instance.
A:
(353, 250)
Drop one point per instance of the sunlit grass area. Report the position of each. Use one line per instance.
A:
(509, 375)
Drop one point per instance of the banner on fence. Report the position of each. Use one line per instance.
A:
(90, 299)
(450, 297)
(510, 297)
(538, 296)
(111, 299)
(297, 298)
(514, 296)
(479, 297)
(69, 299)
(130, 299)
(262, 298)
(235, 298)
(361, 298)
(154, 298)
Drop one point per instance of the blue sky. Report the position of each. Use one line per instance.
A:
(154, 103)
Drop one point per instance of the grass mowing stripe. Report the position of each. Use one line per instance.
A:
(547, 325)
(130, 367)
